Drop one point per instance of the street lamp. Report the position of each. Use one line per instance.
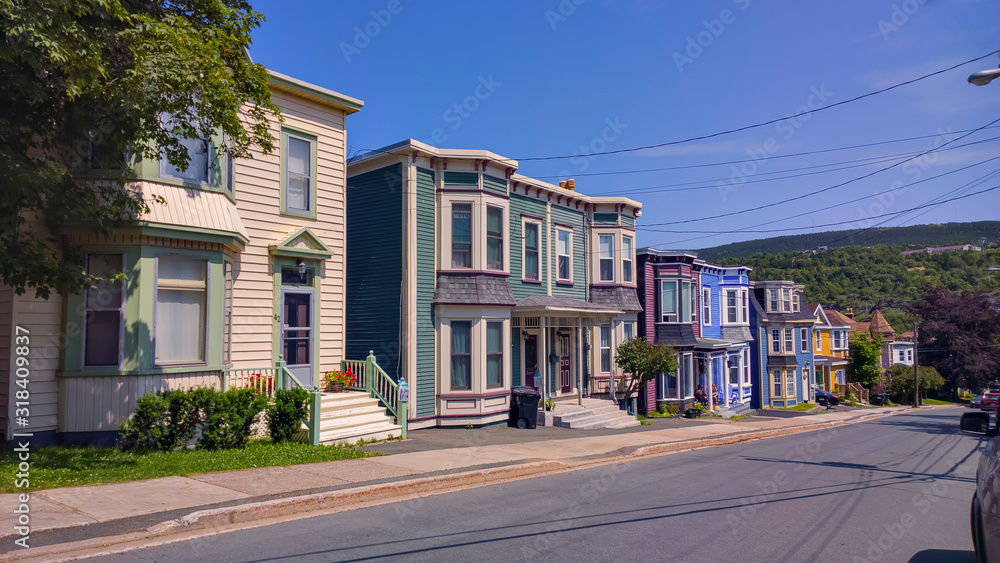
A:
(983, 77)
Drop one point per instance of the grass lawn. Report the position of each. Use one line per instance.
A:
(62, 466)
(799, 407)
(935, 402)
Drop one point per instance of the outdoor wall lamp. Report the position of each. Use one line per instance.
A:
(302, 266)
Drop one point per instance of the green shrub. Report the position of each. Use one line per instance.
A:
(284, 417)
(163, 420)
(228, 418)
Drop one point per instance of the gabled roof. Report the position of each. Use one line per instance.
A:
(836, 318)
(303, 243)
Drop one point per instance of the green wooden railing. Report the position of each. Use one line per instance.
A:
(372, 379)
(268, 380)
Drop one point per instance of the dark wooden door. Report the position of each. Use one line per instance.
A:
(565, 377)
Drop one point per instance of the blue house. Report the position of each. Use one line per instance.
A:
(723, 332)
(782, 356)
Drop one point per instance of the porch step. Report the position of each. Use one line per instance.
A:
(594, 414)
(351, 416)
(367, 431)
(735, 410)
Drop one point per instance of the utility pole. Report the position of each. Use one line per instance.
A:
(916, 378)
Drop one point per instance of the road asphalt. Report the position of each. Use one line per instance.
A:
(432, 459)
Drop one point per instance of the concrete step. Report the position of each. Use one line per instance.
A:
(371, 430)
(336, 418)
(587, 421)
(625, 424)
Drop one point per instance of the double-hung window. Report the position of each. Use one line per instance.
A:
(461, 354)
(789, 344)
(531, 251)
(627, 259)
(819, 340)
(909, 355)
(804, 338)
(706, 305)
(746, 367)
(902, 356)
(494, 237)
(838, 339)
(494, 354)
(668, 301)
(746, 312)
(299, 174)
(786, 300)
(461, 235)
(606, 245)
(563, 249)
(790, 383)
(605, 349)
(103, 312)
(776, 378)
(775, 341)
(772, 300)
(795, 303)
(180, 313)
(198, 159)
(734, 369)
(693, 305)
(629, 331)
(732, 306)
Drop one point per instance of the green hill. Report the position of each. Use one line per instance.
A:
(917, 236)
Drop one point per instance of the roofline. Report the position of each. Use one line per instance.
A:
(407, 146)
(533, 308)
(657, 252)
(318, 93)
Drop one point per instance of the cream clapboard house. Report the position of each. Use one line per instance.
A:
(244, 261)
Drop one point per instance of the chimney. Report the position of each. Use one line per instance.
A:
(849, 313)
(562, 183)
(571, 185)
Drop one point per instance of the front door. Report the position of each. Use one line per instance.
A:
(530, 360)
(564, 372)
(297, 333)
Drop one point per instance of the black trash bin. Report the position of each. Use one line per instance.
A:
(880, 399)
(523, 407)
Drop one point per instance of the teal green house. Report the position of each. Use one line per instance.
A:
(466, 278)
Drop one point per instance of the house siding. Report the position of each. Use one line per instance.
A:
(461, 180)
(628, 221)
(425, 372)
(494, 184)
(375, 204)
(605, 219)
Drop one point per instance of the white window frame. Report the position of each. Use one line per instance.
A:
(786, 300)
(676, 312)
(773, 301)
(706, 305)
(568, 255)
(627, 262)
(789, 339)
(791, 382)
(489, 237)
(601, 258)
(746, 366)
(819, 340)
(796, 297)
(525, 223)
(909, 355)
(735, 307)
(158, 284)
(471, 354)
(775, 340)
(604, 329)
(804, 337)
(777, 384)
(628, 331)
(459, 207)
(745, 319)
(486, 348)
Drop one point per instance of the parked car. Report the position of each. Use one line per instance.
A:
(984, 513)
(988, 402)
(826, 398)
(975, 401)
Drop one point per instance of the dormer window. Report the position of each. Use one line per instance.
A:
(786, 300)
(772, 300)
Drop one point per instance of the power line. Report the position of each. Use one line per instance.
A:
(769, 122)
(724, 163)
(826, 189)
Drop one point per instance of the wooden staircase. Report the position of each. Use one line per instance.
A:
(353, 415)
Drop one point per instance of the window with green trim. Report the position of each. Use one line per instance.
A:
(103, 312)
(180, 310)
(299, 170)
(461, 354)
(494, 354)
(494, 238)
(198, 164)
(227, 315)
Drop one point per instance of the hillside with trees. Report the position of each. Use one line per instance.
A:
(917, 236)
(877, 277)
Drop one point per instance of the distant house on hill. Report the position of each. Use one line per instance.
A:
(936, 249)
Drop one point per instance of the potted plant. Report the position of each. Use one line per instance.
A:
(337, 380)
(550, 405)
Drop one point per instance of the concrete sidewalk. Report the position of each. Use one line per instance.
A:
(102, 510)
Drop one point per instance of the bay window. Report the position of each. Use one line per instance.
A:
(790, 383)
(197, 150)
(461, 235)
(461, 354)
(494, 238)
(746, 312)
(732, 307)
(776, 379)
(627, 259)
(668, 301)
(789, 345)
(775, 341)
(180, 309)
(607, 257)
(103, 312)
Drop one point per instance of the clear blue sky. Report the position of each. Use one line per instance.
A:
(550, 77)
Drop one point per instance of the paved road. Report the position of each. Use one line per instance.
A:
(892, 489)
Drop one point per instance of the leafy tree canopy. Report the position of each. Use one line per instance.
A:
(86, 81)
(959, 335)
(865, 358)
(900, 382)
(642, 361)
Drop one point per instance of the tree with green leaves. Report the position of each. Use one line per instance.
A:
(89, 81)
(865, 358)
(900, 382)
(642, 362)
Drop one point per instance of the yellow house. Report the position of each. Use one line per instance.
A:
(830, 337)
(236, 263)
